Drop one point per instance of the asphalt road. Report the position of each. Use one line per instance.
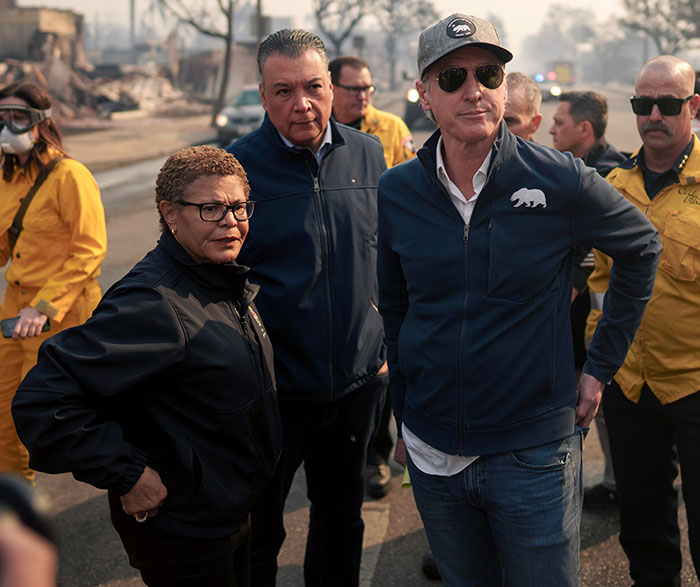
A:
(90, 552)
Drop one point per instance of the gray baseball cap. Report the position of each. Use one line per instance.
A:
(454, 32)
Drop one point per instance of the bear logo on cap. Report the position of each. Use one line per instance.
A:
(460, 27)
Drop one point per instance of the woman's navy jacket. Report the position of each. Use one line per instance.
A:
(174, 371)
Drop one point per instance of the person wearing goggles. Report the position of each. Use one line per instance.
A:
(54, 251)
(477, 237)
(16, 125)
(652, 407)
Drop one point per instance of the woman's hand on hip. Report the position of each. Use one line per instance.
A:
(146, 496)
(30, 323)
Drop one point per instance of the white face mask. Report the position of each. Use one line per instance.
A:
(16, 144)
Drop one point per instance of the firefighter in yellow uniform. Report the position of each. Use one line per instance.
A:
(392, 132)
(652, 407)
(352, 90)
(55, 260)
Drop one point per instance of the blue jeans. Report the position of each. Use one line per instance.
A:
(515, 514)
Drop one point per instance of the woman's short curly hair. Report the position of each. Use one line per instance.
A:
(186, 166)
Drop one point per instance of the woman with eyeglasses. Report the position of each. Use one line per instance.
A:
(166, 396)
(52, 232)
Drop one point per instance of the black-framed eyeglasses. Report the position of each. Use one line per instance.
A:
(451, 79)
(20, 119)
(215, 212)
(667, 106)
(357, 90)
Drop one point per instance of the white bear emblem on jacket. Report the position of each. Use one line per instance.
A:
(530, 198)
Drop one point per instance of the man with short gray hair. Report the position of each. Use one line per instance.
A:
(522, 115)
(312, 250)
(476, 245)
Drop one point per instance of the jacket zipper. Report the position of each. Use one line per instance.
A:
(256, 361)
(247, 335)
(461, 380)
(325, 252)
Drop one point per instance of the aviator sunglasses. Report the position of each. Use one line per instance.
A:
(667, 106)
(451, 79)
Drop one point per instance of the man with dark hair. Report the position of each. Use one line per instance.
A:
(352, 90)
(312, 250)
(522, 116)
(476, 246)
(652, 406)
(579, 127)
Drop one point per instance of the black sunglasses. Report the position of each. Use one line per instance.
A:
(667, 106)
(451, 79)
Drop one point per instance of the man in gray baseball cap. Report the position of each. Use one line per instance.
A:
(477, 236)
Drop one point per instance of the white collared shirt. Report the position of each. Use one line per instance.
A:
(464, 207)
(428, 459)
(325, 145)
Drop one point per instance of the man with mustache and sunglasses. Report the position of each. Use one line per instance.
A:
(652, 407)
(476, 246)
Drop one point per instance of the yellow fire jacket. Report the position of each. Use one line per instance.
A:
(665, 353)
(393, 134)
(64, 239)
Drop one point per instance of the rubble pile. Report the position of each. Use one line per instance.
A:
(104, 95)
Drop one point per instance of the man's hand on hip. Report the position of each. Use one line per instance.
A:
(589, 394)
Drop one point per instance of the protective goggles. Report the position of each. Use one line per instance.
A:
(451, 79)
(667, 106)
(20, 119)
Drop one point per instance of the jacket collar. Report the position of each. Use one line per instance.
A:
(230, 277)
(502, 149)
(687, 167)
(272, 135)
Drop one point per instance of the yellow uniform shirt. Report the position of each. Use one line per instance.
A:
(665, 353)
(64, 239)
(393, 134)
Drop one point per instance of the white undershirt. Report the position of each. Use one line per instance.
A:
(428, 459)
(325, 145)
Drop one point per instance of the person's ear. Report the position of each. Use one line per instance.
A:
(535, 124)
(423, 95)
(585, 129)
(169, 212)
(263, 98)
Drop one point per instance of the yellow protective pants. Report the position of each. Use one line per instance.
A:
(17, 357)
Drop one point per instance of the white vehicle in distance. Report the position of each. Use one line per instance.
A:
(244, 115)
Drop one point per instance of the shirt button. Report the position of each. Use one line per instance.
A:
(16, 282)
(18, 255)
(24, 291)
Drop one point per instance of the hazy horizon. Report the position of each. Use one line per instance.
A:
(520, 19)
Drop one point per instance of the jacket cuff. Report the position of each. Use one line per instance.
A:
(47, 308)
(132, 474)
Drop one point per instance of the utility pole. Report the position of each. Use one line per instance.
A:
(132, 25)
(259, 21)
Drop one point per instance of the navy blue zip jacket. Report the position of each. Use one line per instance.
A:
(312, 248)
(174, 371)
(477, 318)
